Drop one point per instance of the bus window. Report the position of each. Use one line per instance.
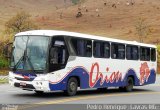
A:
(132, 52)
(58, 54)
(82, 47)
(97, 49)
(153, 54)
(145, 53)
(118, 51)
(106, 50)
(101, 49)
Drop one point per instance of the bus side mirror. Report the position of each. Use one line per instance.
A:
(53, 56)
(7, 50)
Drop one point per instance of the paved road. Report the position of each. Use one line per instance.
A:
(149, 94)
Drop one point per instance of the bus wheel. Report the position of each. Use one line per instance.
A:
(130, 84)
(72, 87)
(39, 92)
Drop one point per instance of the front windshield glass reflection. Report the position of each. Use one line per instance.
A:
(30, 52)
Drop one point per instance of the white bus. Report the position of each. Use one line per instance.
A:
(48, 60)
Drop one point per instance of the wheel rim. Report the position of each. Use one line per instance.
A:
(72, 86)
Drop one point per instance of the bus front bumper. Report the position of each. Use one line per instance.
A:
(35, 85)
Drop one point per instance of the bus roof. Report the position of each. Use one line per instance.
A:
(75, 34)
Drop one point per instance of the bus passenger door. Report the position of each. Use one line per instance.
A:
(58, 54)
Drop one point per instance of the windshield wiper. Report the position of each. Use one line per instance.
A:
(24, 58)
(17, 64)
(30, 63)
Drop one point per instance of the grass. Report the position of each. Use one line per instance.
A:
(3, 73)
(2, 81)
(3, 66)
(3, 62)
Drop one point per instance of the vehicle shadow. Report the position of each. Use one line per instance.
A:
(88, 92)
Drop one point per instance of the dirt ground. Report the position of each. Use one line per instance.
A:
(110, 18)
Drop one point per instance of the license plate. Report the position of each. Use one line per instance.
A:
(22, 84)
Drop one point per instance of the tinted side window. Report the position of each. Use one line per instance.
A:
(82, 47)
(118, 51)
(132, 52)
(145, 54)
(153, 54)
(106, 50)
(101, 49)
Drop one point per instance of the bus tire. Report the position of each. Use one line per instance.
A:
(130, 84)
(39, 92)
(72, 86)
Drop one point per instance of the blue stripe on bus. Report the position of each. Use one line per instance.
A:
(84, 80)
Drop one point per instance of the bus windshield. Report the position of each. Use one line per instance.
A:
(30, 53)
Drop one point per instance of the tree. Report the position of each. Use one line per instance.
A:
(65, 4)
(132, 2)
(142, 29)
(79, 2)
(20, 22)
(75, 1)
